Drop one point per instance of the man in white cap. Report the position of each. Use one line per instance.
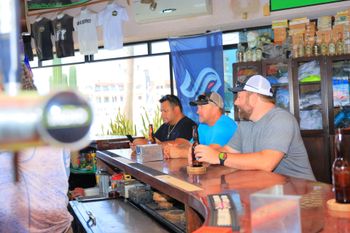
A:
(268, 138)
(215, 129)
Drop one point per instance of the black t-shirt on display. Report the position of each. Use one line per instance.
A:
(27, 44)
(41, 32)
(63, 33)
(183, 129)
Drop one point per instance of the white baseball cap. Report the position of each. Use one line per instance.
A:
(255, 83)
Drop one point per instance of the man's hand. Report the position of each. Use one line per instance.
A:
(206, 154)
(173, 150)
(77, 192)
(137, 141)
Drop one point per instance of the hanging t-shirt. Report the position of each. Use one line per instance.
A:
(41, 32)
(27, 46)
(63, 33)
(111, 20)
(85, 24)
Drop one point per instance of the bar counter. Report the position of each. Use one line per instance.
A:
(170, 177)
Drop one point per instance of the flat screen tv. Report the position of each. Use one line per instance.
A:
(277, 5)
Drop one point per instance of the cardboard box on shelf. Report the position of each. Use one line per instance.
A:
(283, 23)
(280, 35)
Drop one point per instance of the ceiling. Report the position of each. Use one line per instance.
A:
(143, 13)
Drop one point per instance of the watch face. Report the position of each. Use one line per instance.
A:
(222, 155)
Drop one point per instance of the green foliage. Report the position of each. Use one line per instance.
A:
(121, 126)
(72, 80)
(59, 80)
(156, 121)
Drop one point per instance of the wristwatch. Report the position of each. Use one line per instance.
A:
(222, 157)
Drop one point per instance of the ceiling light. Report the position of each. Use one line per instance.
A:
(168, 10)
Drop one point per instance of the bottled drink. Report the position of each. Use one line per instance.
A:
(301, 49)
(259, 54)
(151, 138)
(308, 47)
(339, 46)
(331, 47)
(347, 43)
(316, 48)
(240, 53)
(341, 172)
(249, 54)
(195, 162)
(324, 46)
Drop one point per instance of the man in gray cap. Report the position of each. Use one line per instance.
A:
(268, 138)
(215, 128)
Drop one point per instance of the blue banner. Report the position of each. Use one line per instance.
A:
(198, 67)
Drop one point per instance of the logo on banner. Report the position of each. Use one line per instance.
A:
(207, 80)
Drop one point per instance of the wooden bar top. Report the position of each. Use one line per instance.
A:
(170, 176)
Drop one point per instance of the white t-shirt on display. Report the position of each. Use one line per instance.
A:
(111, 21)
(85, 24)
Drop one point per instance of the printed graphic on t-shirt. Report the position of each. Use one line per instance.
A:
(63, 33)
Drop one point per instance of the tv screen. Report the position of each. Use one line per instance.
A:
(277, 5)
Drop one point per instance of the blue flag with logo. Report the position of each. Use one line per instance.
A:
(198, 67)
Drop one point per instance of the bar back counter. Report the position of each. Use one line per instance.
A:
(194, 191)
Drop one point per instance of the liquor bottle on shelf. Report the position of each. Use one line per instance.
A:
(324, 46)
(240, 53)
(339, 46)
(331, 47)
(151, 138)
(347, 43)
(340, 172)
(308, 47)
(259, 52)
(316, 48)
(301, 49)
(195, 137)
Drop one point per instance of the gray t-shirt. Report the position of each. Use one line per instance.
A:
(276, 130)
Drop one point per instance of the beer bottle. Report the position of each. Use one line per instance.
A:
(195, 162)
(151, 138)
(341, 172)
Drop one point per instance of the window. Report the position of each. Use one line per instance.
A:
(160, 47)
(126, 51)
(229, 59)
(230, 38)
(127, 74)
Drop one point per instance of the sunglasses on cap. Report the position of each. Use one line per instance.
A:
(205, 99)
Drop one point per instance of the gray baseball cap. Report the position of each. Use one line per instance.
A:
(207, 98)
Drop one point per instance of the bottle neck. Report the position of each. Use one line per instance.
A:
(337, 144)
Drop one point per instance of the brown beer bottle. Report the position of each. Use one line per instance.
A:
(151, 138)
(341, 172)
(195, 162)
